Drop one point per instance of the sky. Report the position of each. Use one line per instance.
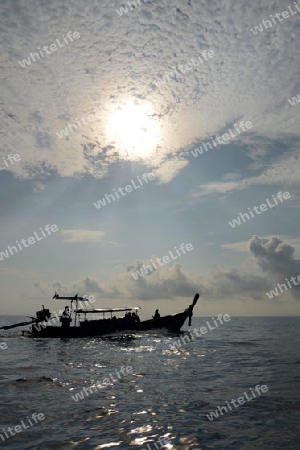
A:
(194, 96)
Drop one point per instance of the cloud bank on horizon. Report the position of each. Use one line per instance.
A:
(275, 258)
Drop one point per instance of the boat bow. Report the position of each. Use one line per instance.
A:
(191, 307)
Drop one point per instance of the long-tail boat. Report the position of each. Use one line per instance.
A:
(42, 324)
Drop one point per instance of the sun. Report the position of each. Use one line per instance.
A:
(134, 131)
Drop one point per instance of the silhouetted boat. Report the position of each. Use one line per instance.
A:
(42, 326)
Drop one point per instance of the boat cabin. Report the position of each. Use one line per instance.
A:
(129, 314)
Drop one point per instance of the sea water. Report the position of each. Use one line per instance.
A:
(165, 400)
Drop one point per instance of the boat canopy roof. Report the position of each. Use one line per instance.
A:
(108, 310)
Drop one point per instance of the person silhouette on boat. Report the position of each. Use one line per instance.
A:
(156, 315)
(135, 317)
(65, 318)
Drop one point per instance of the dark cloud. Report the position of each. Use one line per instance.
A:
(277, 259)
(274, 256)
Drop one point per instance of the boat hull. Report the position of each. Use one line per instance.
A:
(107, 326)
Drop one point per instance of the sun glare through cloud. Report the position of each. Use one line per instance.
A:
(133, 130)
